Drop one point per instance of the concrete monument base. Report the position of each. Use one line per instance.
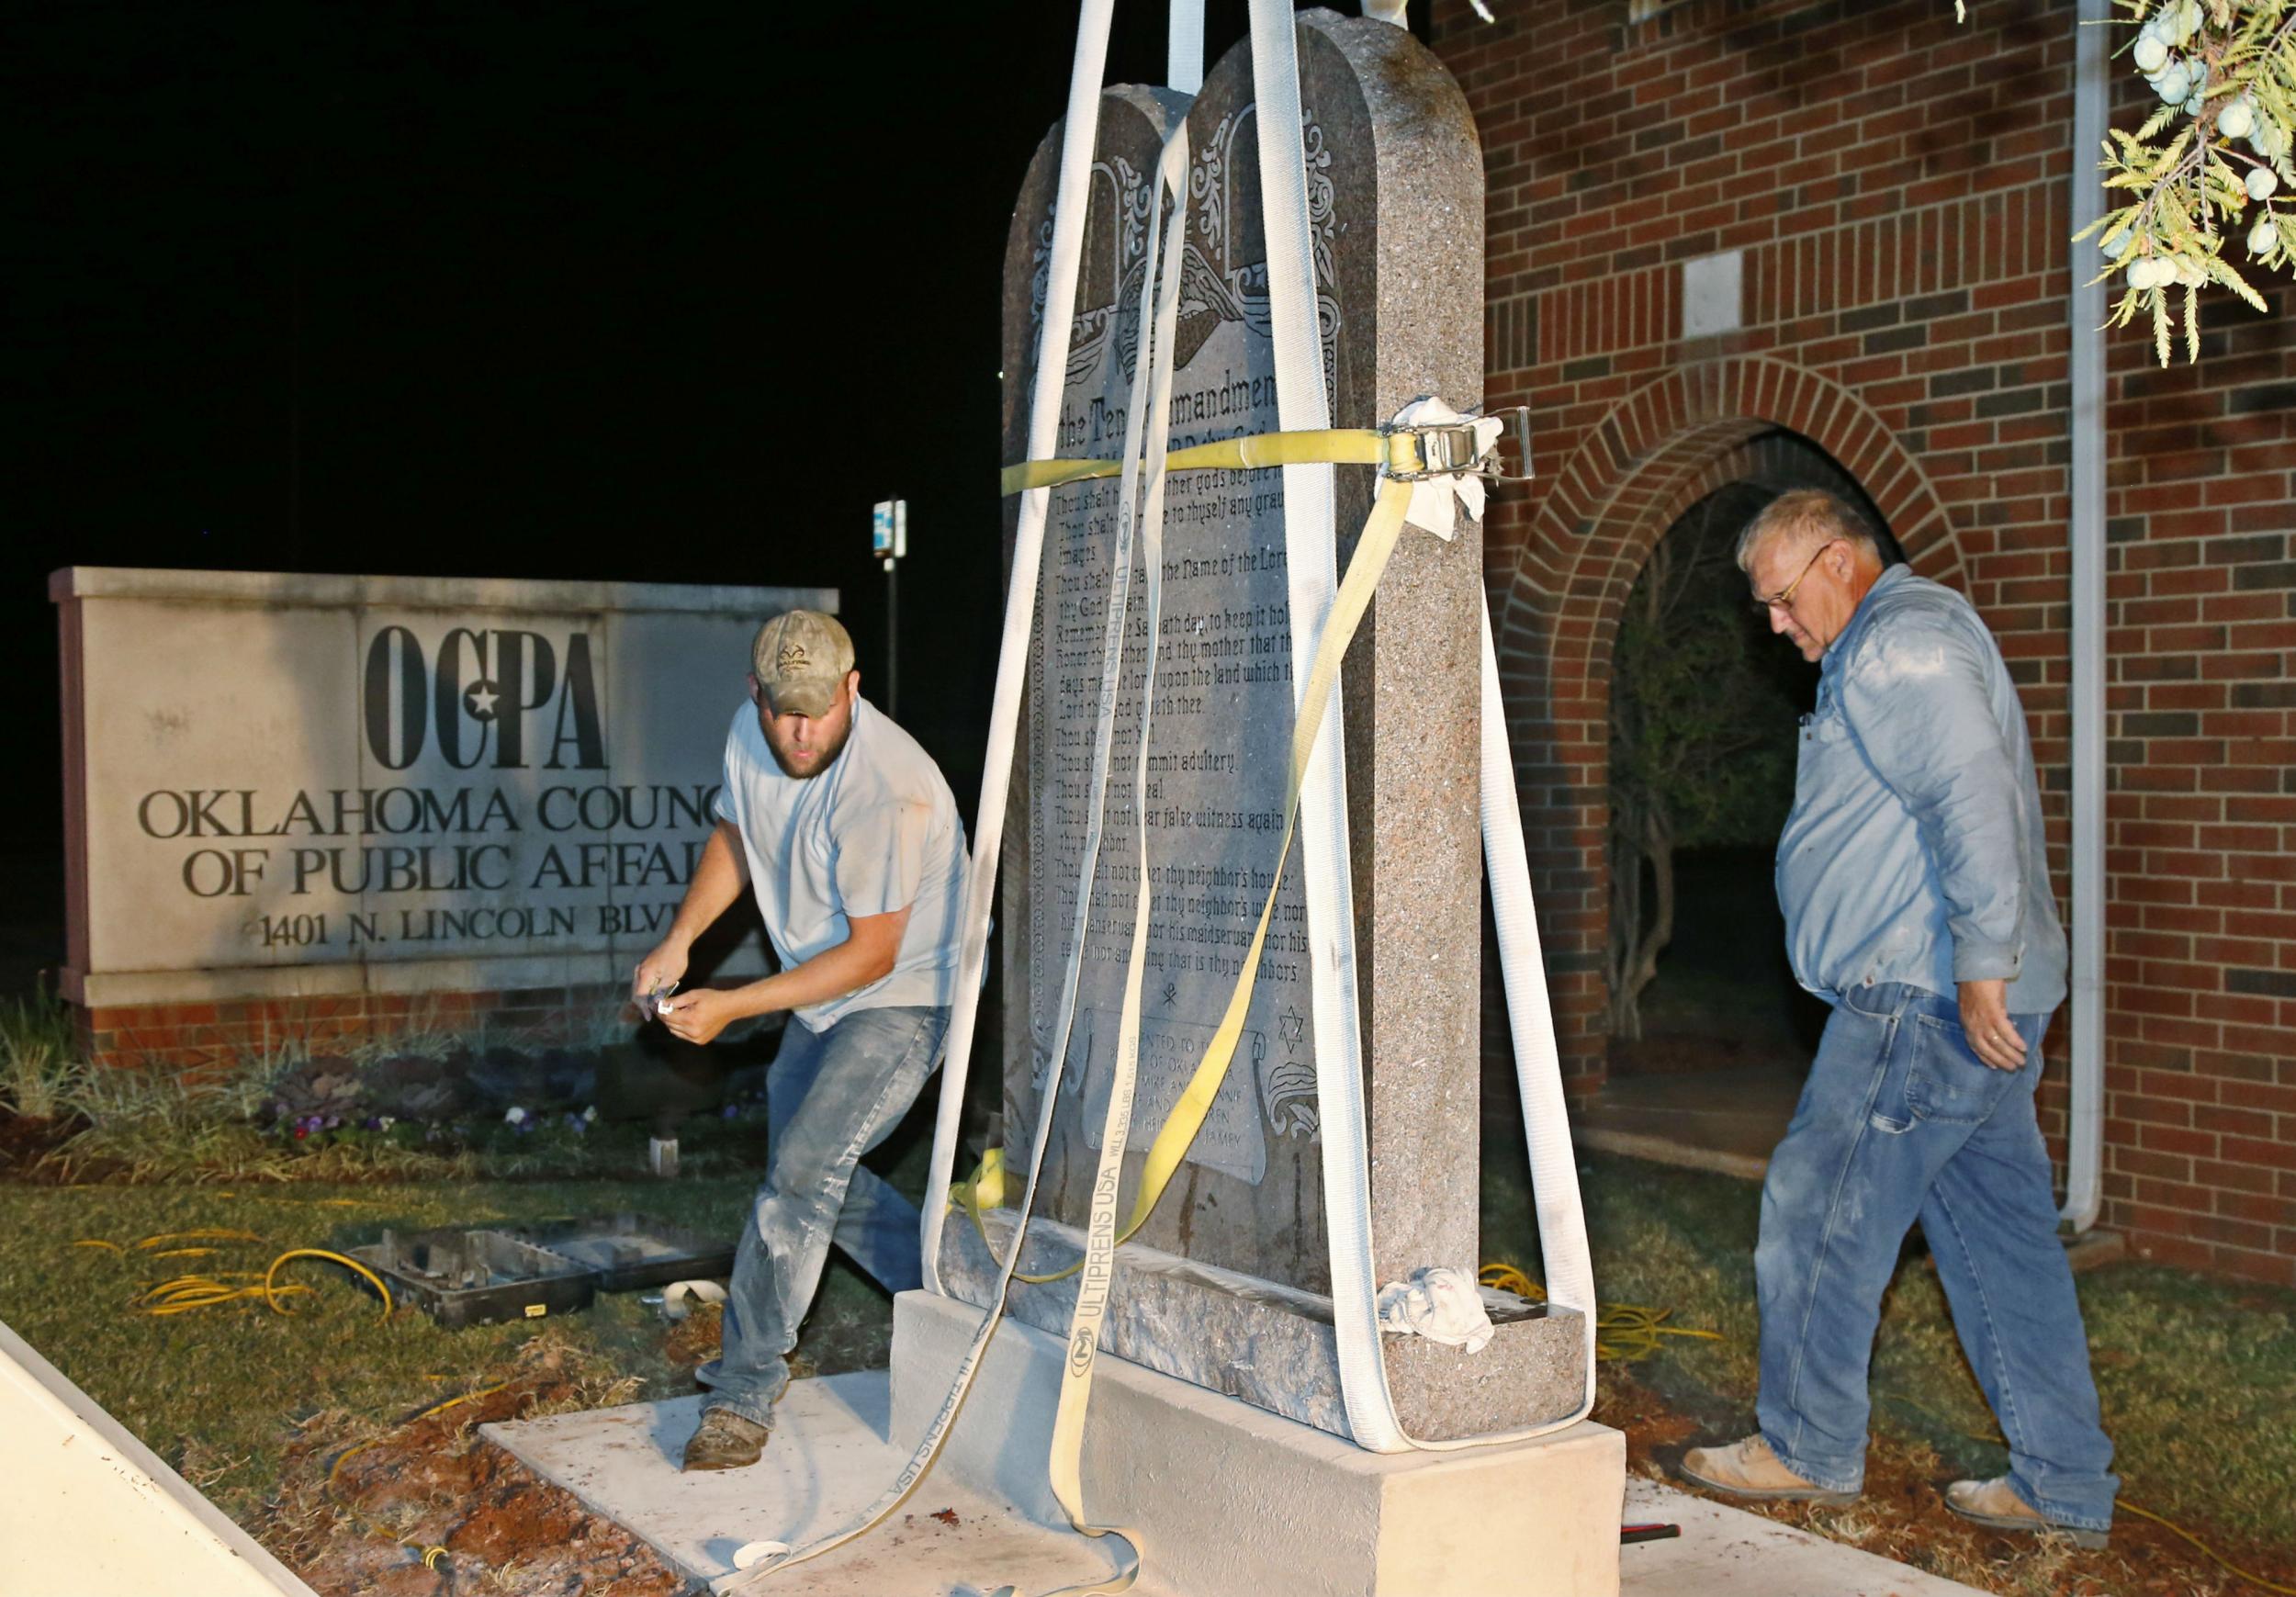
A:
(1233, 1501)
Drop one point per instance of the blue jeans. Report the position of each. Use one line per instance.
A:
(1899, 1119)
(830, 1097)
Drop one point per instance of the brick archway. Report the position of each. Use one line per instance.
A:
(1557, 597)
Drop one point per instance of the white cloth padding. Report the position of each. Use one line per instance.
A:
(680, 1299)
(1434, 503)
(1440, 1302)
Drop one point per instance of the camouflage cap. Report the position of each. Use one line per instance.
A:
(801, 659)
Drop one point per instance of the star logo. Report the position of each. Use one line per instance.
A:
(479, 701)
(1292, 1029)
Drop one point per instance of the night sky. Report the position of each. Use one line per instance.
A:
(539, 290)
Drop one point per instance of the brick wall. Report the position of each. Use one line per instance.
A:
(1898, 185)
(195, 1036)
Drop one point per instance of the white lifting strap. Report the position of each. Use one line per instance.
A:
(1323, 868)
(1307, 514)
(1531, 1021)
(1184, 59)
(1072, 199)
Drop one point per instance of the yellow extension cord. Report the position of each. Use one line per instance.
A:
(2125, 1506)
(1625, 1331)
(186, 1293)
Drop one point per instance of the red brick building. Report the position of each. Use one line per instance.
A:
(1897, 188)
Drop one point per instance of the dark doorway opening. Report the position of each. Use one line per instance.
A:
(1710, 1036)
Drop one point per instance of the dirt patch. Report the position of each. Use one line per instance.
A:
(26, 1142)
(696, 1339)
(1902, 1515)
(364, 1515)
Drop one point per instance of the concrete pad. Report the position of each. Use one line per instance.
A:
(1220, 1515)
(829, 1457)
(622, 1464)
(1726, 1552)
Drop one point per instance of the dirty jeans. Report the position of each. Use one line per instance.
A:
(830, 1097)
(1899, 1119)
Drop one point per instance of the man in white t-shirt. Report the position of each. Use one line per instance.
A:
(848, 836)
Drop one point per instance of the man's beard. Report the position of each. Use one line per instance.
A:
(828, 755)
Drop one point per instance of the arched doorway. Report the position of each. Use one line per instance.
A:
(1709, 1036)
(1558, 592)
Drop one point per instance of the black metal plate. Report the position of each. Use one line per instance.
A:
(629, 1251)
(478, 1276)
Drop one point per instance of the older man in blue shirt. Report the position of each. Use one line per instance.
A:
(1913, 873)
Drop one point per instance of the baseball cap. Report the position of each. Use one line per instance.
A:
(801, 657)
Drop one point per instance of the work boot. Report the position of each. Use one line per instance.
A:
(1749, 1469)
(1996, 1505)
(726, 1441)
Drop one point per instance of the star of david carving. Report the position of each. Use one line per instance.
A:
(479, 700)
(1292, 1029)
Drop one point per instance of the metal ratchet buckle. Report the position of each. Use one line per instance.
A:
(1518, 420)
(1448, 449)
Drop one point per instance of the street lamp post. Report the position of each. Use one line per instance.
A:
(889, 539)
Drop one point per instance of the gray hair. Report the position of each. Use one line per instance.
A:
(1809, 516)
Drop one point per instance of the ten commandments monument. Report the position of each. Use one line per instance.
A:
(1227, 1287)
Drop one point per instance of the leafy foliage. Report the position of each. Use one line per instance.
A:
(2210, 166)
(40, 1068)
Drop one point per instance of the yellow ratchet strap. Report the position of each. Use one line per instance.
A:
(1397, 451)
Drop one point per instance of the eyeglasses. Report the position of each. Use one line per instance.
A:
(1785, 598)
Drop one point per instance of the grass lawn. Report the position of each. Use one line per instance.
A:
(2197, 1376)
(219, 1392)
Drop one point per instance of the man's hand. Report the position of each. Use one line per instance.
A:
(660, 971)
(1985, 1020)
(718, 881)
(701, 1015)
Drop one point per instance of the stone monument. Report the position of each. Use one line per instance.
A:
(1225, 1294)
(1228, 1285)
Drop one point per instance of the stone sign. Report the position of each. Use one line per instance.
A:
(1226, 1285)
(287, 784)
